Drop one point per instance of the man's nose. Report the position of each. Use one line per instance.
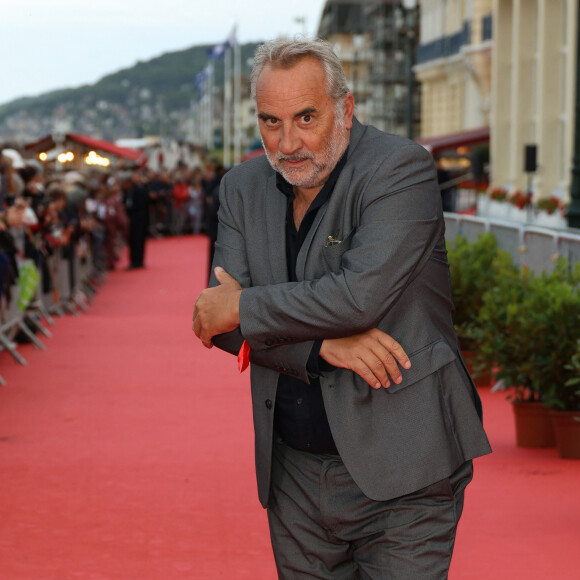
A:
(290, 141)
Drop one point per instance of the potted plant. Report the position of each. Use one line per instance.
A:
(519, 202)
(498, 194)
(528, 325)
(548, 204)
(519, 199)
(549, 212)
(473, 268)
(497, 207)
(564, 401)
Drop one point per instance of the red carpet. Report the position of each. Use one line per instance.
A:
(126, 453)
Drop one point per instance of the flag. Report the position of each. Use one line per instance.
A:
(201, 78)
(219, 50)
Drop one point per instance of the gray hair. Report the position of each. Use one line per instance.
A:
(285, 53)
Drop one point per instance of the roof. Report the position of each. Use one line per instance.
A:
(439, 143)
(47, 143)
(132, 154)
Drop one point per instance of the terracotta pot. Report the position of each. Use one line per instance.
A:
(533, 425)
(484, 380)
(566, 426)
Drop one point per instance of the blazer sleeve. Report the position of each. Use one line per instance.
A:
(400, 224)
(230, 253)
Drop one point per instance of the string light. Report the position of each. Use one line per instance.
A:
(66, 157)
(93, 158)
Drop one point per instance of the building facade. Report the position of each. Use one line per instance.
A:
(371, 38)
(346, 27)
(534, 83)
(454, 65)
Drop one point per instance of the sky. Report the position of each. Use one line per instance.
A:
(54, 44)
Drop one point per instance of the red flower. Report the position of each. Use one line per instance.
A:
(549, 204)
(519, 199)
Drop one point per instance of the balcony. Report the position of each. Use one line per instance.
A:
(446, 46)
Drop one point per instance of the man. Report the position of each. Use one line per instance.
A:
(333, 241)
(136, 201)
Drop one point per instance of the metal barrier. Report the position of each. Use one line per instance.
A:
(72, 279)
(534, 247)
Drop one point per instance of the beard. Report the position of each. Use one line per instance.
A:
(321, 164)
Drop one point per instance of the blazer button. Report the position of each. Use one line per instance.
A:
(268, 404)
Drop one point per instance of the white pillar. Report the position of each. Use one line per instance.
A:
(237, 100)
(209, 109)
(226, 140)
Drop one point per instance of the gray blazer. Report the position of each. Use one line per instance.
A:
(389, 271)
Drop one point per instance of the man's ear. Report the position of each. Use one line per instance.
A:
(348, 110)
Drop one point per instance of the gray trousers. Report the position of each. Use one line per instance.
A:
(322, 525)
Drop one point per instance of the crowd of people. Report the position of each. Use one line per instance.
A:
(95, 215)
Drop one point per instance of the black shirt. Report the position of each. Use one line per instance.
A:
(300, 418)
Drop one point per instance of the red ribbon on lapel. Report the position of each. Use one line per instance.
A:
(244, 357)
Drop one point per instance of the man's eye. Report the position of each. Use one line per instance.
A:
(307, 118)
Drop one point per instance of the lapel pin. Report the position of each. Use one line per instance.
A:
(333, 240)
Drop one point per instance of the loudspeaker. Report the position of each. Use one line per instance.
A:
(530, 154)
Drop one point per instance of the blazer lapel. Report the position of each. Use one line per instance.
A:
(304, 250)
(276, 207)
(337, 197)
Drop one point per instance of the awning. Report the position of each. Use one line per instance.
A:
(47, 143)
(439, 143)
(134, 155)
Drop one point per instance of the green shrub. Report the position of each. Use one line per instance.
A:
(568, 397)
(473, 269)
(528, 328)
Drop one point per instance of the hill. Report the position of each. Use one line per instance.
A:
(151, 97)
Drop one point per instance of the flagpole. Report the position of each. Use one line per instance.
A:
(209, 109)
(237, 100)
(203, 114)
(222, 50)
(227, 107)
(201, 81)
(201, 119)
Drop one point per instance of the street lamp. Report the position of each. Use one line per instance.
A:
(574, 207)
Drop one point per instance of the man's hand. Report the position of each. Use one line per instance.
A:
(217, 309)
(373, 355)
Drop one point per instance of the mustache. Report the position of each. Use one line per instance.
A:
(296, 157)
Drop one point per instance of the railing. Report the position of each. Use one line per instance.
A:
(73, 281)
(445, 46)
(537, 248)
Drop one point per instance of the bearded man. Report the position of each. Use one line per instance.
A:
(329, 242)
